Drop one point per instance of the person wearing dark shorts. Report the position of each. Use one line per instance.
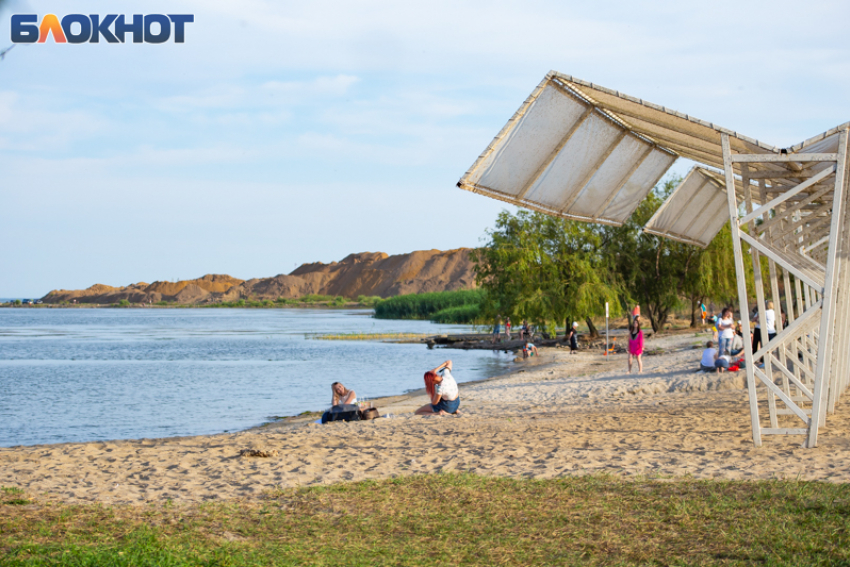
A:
(443, 391)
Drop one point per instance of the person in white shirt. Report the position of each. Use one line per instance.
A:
(342, 395)
(770, 322)
(442, 388)
(725, 330)
(709, 357)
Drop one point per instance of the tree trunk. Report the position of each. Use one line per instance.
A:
(593, 332)
(693, 313)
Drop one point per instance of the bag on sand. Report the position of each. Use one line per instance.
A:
(369, 413)
(342, 412)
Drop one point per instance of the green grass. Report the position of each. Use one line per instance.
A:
(426, 305)
(448, 519)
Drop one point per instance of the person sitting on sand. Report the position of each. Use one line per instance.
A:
(342, 395)
(635, 344)
(709, 357)
(723, 362)
(529, 349)
(573, 336)
(442, 389)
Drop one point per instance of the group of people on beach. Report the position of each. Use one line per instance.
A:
(728, 340)
(526, 335)
(440, 385)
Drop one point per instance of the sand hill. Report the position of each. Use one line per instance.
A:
(367, 273)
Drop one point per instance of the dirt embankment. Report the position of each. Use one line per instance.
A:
(367, 273)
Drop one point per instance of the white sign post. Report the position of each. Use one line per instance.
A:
(606, 328)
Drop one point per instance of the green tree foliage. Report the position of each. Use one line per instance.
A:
(656, 272)
(547, 269)
(544, 269)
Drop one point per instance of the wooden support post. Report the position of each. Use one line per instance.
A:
(777, 304)
(742, 285)
(828, 318)
(759, 284)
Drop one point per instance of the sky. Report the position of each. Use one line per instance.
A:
(286, 132)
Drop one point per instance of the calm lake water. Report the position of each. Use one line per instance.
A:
(96, 374)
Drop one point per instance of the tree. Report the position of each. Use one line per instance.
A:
(655, 271)
(545, 269)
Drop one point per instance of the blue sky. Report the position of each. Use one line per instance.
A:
(282, 132)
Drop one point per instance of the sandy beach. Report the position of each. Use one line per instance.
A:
(560, 415)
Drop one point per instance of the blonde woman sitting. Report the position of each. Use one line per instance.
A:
(342, 395)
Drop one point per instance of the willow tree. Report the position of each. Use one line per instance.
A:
(656, 272)
(544, 269)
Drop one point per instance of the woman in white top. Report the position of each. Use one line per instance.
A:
(725, 331)
(342, 395)
(442, 389)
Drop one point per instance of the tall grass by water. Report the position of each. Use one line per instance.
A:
(459, 306)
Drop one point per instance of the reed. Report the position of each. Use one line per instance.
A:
(425, 305)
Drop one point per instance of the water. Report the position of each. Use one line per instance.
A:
(97, 374)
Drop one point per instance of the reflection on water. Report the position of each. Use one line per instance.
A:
(94, 374)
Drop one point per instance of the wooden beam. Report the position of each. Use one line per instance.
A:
(782, 158)
(767, 381)
(793, 209)
(796, 270)
(784, 197)
(732, 205)
(829, 291)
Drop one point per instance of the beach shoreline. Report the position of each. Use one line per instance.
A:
(565, 415)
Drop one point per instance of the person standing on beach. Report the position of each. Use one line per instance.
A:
(497, 330)
(635, 344)
(508, 327)
(573, 336)
(443, 391)
(725, 331)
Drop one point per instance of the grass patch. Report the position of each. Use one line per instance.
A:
(450, 519)
(426, 305)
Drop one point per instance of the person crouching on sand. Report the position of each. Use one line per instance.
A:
(635, 344)
(342, 395)
(442, 389)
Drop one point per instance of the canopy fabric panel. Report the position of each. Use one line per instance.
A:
(577, 150)
(695, 211)
(560, 155)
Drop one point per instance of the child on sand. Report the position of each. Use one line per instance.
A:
(529, 349)
(635, 344)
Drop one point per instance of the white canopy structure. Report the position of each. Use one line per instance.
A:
(585, 152)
